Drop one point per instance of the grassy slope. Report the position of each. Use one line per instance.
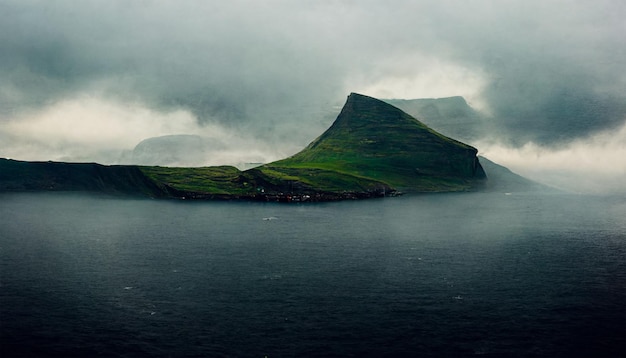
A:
(222, 180)
(375, 143)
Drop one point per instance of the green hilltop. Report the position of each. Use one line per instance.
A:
(372, 143)
(372, 149)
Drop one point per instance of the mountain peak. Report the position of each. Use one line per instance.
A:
(365, 109)
(375, 140)
(354, 97)
(368, 116)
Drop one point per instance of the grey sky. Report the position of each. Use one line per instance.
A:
(548, 72)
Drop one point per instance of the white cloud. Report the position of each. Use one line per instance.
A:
(93, 122)
(417, 76)
(596, 164)
(96, 129)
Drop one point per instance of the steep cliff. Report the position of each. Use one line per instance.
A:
(380, 143)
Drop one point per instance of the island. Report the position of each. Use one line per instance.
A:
(373, 149)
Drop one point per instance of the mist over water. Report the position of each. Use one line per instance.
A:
(428, 275)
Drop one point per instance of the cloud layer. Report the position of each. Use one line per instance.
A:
(596, 164)
(547, 72)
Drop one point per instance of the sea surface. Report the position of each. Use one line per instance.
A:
(443, 275)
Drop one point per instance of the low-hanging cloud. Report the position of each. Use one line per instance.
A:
(90, 129)
(596, 164)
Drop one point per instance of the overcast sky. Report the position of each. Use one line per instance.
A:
(86, 80)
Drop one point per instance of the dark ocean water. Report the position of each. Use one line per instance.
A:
(446, 275)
